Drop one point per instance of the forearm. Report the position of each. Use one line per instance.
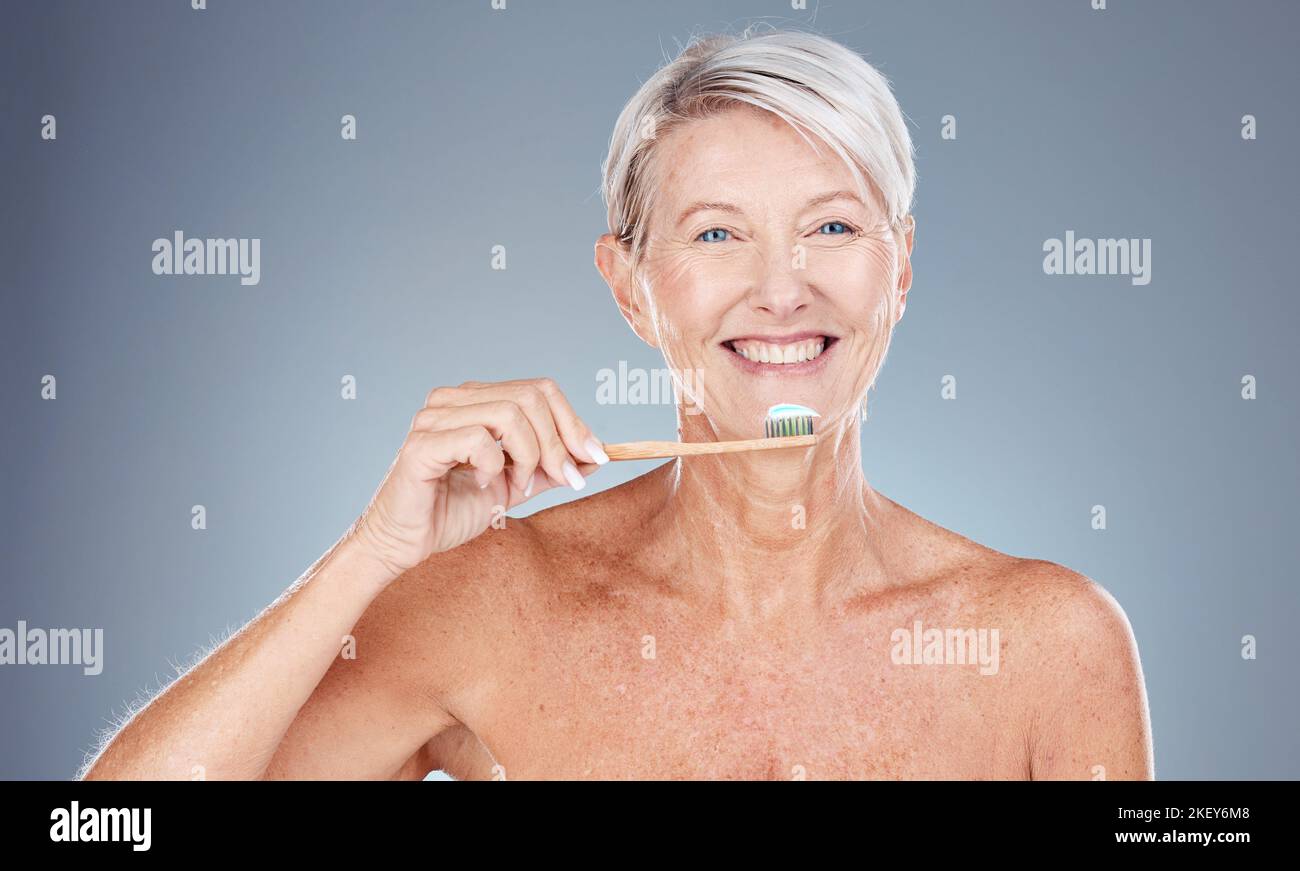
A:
(226, 716)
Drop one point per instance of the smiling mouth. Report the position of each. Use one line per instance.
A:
(781, 352)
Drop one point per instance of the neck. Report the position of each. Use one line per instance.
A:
(776, 534)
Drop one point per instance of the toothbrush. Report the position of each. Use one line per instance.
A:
(786, 426)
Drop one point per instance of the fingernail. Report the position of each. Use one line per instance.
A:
(483, 486)
(596, 452)
(573, 476)
(528, 491)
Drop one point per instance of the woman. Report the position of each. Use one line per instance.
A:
(757, 615)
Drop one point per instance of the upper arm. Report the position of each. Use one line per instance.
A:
(413, 658)
(1090, 719)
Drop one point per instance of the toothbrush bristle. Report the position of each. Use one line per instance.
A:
(788, 426)
(788, 420)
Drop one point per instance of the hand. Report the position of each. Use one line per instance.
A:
(451, 474)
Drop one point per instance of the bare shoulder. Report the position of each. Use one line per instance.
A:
(1070, 656)
(1059, 603)
(448, 619)
(1076, 672)
(1080, 667)
(1065, 613)
(1057, 615)
(472, 602)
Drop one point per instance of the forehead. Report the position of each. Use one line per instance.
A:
(744, 152)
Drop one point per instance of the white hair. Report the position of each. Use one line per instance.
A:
(810, 81)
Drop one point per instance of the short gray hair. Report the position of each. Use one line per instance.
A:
(810, 81)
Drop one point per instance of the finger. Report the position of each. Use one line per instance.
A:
(538, 482)
(431, 454)
(542, 482)
(556, 459)
(559, 463)
(504, 419)
(578, 437)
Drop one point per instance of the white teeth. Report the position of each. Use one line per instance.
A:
(795, 352)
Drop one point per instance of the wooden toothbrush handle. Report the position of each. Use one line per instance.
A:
(656, 450)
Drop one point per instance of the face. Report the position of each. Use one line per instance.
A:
(765, 279)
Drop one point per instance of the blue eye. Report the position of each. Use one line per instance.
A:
(844, 228)
(701, 237)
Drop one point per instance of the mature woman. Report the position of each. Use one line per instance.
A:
(754, 615)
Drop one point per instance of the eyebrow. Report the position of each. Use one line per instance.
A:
(821, 199)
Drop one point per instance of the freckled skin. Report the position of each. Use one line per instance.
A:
(682, 625)
(566, 691)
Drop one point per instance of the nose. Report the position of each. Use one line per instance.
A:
(781, 291)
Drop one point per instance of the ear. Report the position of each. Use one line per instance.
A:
(905, 274)
(613, 260)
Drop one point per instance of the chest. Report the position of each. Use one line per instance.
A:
(643, 693)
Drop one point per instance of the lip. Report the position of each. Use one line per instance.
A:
(781, 340)
(770, 370)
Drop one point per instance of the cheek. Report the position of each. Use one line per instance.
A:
(856, 279)
(685, 270)
(691, 294)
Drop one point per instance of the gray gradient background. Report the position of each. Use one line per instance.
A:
(479, 128)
